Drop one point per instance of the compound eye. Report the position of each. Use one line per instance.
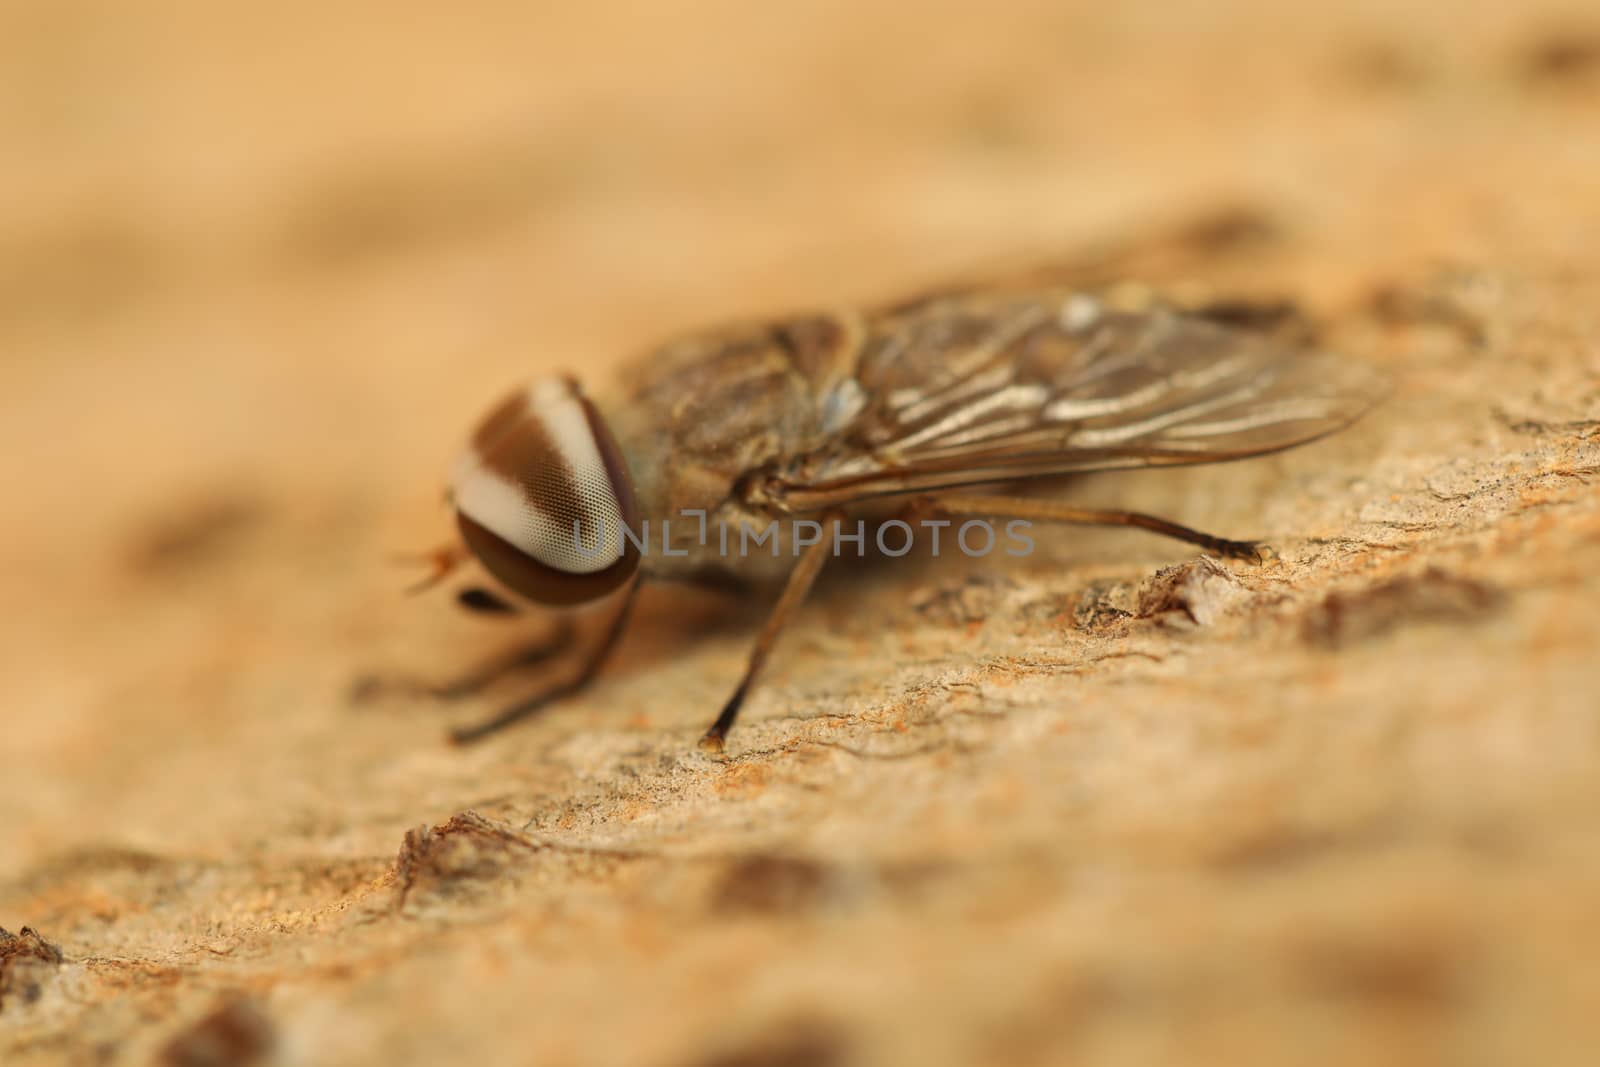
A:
(543, 496)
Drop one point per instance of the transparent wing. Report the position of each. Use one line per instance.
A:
(965, 391)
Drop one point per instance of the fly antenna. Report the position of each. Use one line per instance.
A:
(441, 562)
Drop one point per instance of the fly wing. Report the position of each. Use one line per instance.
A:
(959, 392)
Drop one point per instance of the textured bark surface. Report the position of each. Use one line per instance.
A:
(1112, 803)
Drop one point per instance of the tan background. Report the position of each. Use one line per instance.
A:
(260, 265)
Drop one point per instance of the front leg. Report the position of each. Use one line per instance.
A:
(578, 680)
(485, 675)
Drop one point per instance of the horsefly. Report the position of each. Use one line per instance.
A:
(756, 452)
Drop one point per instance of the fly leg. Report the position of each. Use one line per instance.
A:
(485, 675)
(482, 602)
(369, 687)
(794, 594)
(580, 678)
(1008, 507)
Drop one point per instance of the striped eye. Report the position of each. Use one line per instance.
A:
(542, 496)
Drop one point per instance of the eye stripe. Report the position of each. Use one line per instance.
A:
(511, 411)
(503, 419)
(539, 463)
(540, 583)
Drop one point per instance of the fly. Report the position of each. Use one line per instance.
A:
(814, 419)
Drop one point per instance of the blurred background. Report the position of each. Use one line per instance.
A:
(261, 265)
